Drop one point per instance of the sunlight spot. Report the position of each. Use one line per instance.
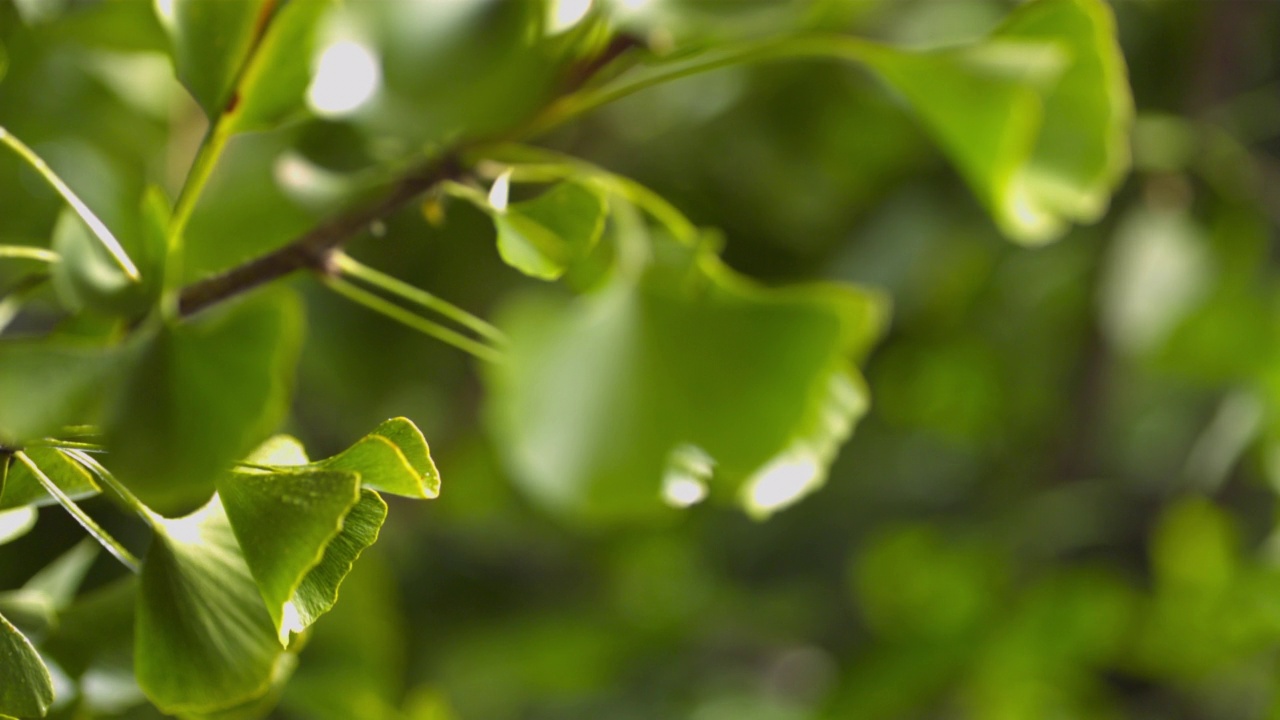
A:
(567, 13)
(500, 192)
(347, 75)
(683, 491)
(783, 481)
(164, 9)
(290, 621)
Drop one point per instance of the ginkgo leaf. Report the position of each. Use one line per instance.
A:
(22, 488)
(285, 521)
(1035, 117)
(174, 427)
(35, 606)
(27, 689)
(46, 384)
(542, 237)
(204, 640)
(596, 396)
(319, 589)
(394, 458)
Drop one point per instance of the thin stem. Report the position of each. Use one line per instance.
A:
(26, 252)
(67, 445)
(350, 267)
(417, 322)
(110, 481)
(99, 229)
(215, 141)
(583, 101)
(90, 525)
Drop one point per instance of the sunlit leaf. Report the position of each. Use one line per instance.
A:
(204, 640)
(22, 488)
(394, 458)
(284, 522)
(319, 589)
(201, 394)
(27, 690)
(597, 396)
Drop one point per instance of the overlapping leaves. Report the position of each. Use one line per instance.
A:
(227, 587)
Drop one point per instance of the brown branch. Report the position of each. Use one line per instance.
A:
(312, 250)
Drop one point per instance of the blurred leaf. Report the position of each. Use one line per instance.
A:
(200, 395)
(211, 39)
(35, 606)
(353, 663)
(276, 78)
(45, 384)
(595, 396)
(22, 488)
(1036, 117)
(394, 458)
(545, 236)
(89, 277)
(27, 690)
(204, 641)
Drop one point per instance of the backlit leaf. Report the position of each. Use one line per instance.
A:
(204, 641)
(394, 458)
(22, 488)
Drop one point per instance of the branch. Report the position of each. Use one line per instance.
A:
(312, 250)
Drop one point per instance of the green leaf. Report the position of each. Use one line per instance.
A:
(200, 395)
(35, 606)
(1036, 117)
(203, 641)
(210, 41)
(90, 277)
(394, 458)
(47, 384)
(599, 398)
(544, 236)
(319, 589)
(22, 488)
(285, 521)
(27, 690)
(276, 79)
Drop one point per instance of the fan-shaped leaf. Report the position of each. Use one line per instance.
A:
(394, 458)
(44, 385)
(201, 395)
(284, 522)
(596, 396)
(204, 641)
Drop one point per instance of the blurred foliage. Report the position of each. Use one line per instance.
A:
(1058, 504)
